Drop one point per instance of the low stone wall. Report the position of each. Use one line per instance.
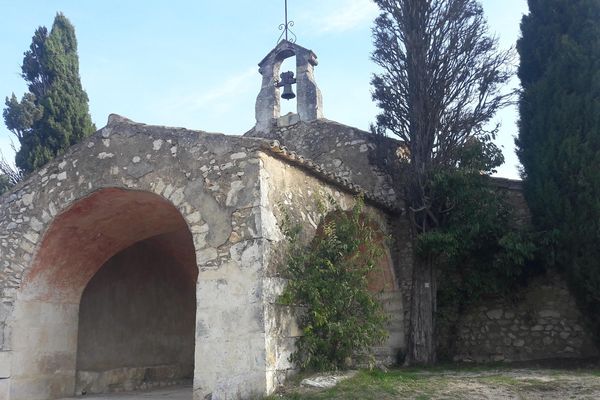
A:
(130, 379)
(543, 323)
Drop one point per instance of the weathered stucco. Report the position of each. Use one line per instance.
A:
(268, 102)
(125, 184)
(295, 194)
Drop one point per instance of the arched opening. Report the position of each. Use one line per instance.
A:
(291, 105)
(109, 302)
(383, 285)
(381, 279)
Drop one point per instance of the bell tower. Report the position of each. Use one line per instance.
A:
(268, 102)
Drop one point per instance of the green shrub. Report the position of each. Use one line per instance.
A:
(328, 278)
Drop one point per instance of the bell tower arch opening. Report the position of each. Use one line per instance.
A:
(309, 103)
(109, 302)
(286, 82)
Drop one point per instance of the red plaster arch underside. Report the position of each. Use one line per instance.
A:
(83, 237)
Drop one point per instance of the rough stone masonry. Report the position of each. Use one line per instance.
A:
(208, 205)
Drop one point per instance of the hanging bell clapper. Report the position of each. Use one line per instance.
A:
(287, 80)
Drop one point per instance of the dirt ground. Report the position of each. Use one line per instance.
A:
(529, 384)
(532, 382)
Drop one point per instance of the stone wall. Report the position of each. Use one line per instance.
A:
(126, 183)
(541, 322)
(297, 194)
(341, 149)
(129, 182)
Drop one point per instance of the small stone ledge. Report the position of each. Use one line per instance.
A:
(505, 183)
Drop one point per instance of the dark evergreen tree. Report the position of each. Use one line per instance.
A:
(559, 136)
(53, 114)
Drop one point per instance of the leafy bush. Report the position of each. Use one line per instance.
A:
(480, 250)
(328, 278)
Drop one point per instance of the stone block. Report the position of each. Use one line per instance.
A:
(230, 322)
(231, 357)
(495, 314)
(549, 314)
(281, 321)
(288, 119)
(537, 328)
(42, 387)
(4, 389)
(278, 353)
(5, 360)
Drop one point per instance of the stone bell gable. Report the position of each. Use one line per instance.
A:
(309, 103)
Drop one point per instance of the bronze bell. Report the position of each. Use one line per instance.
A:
(287, 80)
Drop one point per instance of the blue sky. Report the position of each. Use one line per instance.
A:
(194, 63)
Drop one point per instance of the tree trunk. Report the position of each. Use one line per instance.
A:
(421, 341)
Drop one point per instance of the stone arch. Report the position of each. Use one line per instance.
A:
(76, 245)
(287, 107)
(382, 277)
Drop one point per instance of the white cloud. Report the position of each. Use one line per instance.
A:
(224, 90)
(185, 105)
(352, 14)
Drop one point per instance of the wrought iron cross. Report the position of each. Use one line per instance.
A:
(286, 28)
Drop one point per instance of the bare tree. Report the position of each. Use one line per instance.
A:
(10, 174)
(441, 84)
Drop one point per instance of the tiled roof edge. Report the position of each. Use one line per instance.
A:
(276, 149)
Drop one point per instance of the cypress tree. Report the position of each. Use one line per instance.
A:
(559, 136)
(441, 83)
(53, 114)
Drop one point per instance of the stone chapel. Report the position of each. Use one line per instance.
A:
(147, 256)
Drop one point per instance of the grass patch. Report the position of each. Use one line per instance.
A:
(365, 385)
(454, 382)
